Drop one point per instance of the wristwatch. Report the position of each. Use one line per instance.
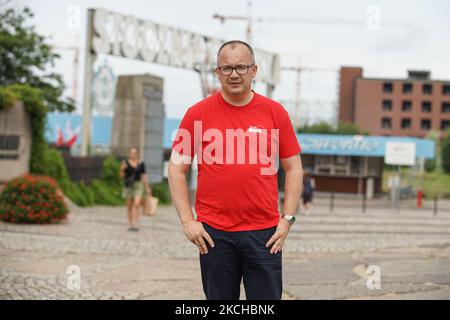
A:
(289, 218)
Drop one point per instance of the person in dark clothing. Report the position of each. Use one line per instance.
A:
(135, 181)
(308, 192)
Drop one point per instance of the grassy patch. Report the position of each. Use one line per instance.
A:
(436, 183)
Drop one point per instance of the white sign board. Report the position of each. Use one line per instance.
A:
(129, 37)
(400, 153)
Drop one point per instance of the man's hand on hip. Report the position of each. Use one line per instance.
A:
(195, 232)
(279, 236)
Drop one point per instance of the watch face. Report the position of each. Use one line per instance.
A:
(289, 218)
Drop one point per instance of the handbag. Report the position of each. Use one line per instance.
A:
(149, 204)
(129, 181)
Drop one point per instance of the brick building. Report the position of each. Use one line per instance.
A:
(394, 107)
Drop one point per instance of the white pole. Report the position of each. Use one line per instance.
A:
(87, 92)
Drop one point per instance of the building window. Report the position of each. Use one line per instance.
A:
(425, 124)
(324, 164)
(407, 88)
(445, 107)
(445, 125)
(427, 88)
(406, 123)
(387, 87)
(386, 123)
(426, 106)
(387, 105)
(341, 165)
(406, 105)
(355, 165)
(446, 89)
(9, 147)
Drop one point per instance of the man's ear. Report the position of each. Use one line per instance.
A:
(255, 71)
(216, 71)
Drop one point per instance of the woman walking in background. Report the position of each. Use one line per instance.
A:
(135, 180)
(308, 192)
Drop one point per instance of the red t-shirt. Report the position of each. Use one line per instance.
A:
(235, 193)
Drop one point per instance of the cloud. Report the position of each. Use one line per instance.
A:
(413, 37)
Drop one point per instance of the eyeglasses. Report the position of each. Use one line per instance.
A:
(241, 69)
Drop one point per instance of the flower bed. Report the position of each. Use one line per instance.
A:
(32, 199)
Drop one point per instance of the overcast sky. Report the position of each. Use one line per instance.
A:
(421, 40)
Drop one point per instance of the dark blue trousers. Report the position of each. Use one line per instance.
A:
(240, 256)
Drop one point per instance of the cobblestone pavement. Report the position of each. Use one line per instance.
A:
(327, 256)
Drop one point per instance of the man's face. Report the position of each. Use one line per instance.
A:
(236, 84)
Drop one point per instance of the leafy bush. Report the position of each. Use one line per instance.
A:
(32, 199)
(105, 194)
(54, 166)
(79, 193)
(430, 165)
(7, 99)
(161, 191)
(106, 191)
(445, 153)
(327, 128)
(110, 171)
(87, 193)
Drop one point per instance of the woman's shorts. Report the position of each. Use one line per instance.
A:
(307, 197)
(136, 190)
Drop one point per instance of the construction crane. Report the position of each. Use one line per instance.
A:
(299, 70)
(248, 18)
(321, 21)
(75, 66)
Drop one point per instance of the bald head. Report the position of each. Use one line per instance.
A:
(233, 44)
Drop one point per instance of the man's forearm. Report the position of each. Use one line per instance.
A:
(180, 196)
(292, 190)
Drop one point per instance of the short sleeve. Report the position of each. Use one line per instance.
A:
(143, 171)
(289, 145)
(183, 142)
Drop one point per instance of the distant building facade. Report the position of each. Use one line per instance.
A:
(394, 107)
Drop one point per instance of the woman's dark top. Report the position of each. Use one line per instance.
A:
(133, 174)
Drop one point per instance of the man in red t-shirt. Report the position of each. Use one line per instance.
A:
(238, 136)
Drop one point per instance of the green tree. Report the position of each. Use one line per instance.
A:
(435, 163)
(445, 153)
(321, 127)
(25, 58)
(348, 128)
(327, 128)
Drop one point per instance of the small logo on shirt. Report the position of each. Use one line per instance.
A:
(256, 129)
